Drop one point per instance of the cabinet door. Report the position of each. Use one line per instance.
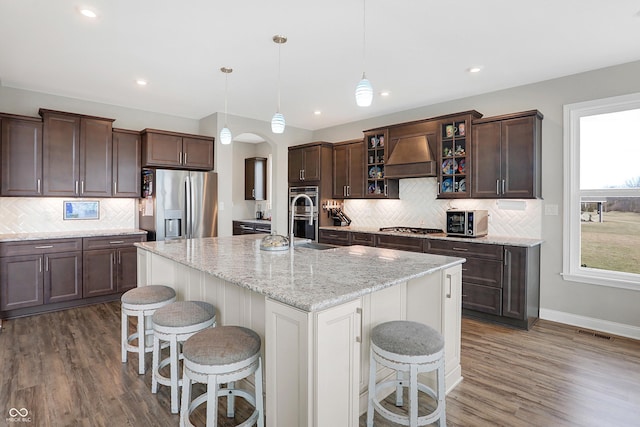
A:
(295, 165)
(356, 170)
(20, 282)
(21, 157)
(337, 370)
(127, 268)
(486, 160)
(95, 157)
(340, 171)
(61, 155)
(197, 153)
(334, 237)
(311, 164)
(161, 150)
(255, 178)
(518, 158)
(514, 289)
(486, 299)
(126, 164)
(99, 275)
(62, 276)
(403, 243)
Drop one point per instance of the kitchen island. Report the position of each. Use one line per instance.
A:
(314, 310)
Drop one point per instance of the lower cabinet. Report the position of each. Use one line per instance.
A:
(334, 237)
(247, 227)
(36, 275)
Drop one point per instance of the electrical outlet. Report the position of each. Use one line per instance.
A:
(551, 209)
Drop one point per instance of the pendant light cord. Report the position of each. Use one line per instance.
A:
(364, 34)
(279, 60)
(226, 89)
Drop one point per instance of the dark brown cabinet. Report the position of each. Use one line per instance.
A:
(348, 170)
(507, 156)
(21, 156)
(309, 163)
(403, 243)
(40, 272)
(334, 237)
(255, 178)
(176, 150)
(377, 186)
(126, 163)
(77, 155)
(246, 227)
(109, 264)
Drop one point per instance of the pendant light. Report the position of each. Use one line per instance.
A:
(364, 90)
(225, 133)
(277, 122)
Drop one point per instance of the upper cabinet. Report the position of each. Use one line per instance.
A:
(377, 186)
(507, 156)
(126, 163)
(309, 163)
(348, 170)
(255, 178)
(454, 150)
(176, 150)
(21, 156)
(77, 155)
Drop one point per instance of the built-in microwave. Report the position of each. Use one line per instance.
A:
(466, 223)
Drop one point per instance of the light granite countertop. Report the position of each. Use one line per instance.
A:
(490, 239)
(255, 221)
(17, 237)
(308, 279)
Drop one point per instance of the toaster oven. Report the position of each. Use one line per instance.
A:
(474, 223)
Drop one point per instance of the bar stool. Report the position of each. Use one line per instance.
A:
(222, 355)
(408, 348)
(141, 302)
(174, 323)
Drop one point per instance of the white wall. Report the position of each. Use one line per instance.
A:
(612, 309)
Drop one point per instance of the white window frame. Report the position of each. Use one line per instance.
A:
(571, 269)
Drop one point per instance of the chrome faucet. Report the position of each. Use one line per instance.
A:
(310, 215)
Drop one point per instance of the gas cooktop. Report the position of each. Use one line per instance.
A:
(413, 230)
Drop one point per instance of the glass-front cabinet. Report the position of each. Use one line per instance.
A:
(377, 186)
(454, 166)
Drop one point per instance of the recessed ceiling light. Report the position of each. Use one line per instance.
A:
(141, 82)
(475, 69)
(385, 93)
(317, 112)
(88, 13)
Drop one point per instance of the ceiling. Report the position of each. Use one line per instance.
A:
(418, 50)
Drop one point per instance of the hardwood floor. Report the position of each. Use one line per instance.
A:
(65, 369)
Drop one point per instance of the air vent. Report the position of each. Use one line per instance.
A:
(595, 334)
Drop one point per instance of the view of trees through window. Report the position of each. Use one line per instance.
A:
(610, 192)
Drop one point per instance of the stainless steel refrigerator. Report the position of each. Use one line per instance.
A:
(179, 204)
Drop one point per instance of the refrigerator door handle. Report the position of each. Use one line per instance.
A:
(187, 208)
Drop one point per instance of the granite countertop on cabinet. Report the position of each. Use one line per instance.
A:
(255, 221)
(308, 279)
(46, 235)
(489, 239)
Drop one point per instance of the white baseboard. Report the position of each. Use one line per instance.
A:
(614, 328)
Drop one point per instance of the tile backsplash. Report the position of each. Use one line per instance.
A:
(45, 214)
(419, 207)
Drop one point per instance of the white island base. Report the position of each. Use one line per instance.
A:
(317, 362)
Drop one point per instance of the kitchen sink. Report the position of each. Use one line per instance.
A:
(315, 245)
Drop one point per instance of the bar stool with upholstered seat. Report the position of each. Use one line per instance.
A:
(142, 302)
(222, 355)
(408, 348)
(175, 323)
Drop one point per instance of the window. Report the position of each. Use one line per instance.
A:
(602, 192)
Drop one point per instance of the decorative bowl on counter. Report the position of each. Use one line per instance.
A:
(274, 242)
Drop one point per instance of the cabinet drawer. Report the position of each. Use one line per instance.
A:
(364, 239)
(402, 243)
(465, 249)
(240, 228)
(263, 228)
(486, 299)
(33, 247)
(336, 237)
(480, 271)
(106, 242)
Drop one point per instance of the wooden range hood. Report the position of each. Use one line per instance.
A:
(410, 157)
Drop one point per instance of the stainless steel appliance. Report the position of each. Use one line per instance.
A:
(302, 210)
(179, 204)
(473, 223)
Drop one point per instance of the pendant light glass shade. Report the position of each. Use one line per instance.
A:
(277, 123)
(225, 136)
(364, 92)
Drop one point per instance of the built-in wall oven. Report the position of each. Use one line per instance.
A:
(302, 210)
